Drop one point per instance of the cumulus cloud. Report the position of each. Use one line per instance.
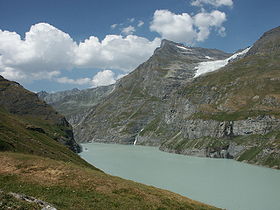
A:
(103, 78)
(186, 28)
(115, 52)
(215, 3)
(45, 51)
(204, 22)
(172, 26)
(128, 30)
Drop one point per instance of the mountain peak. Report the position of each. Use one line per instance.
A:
(268, 44)
(165, 42)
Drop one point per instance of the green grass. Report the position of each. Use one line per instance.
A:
(15, 137)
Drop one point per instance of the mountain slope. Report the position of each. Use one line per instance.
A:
(29, 125)
(141, 95)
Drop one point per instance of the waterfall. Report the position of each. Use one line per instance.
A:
(136, 138)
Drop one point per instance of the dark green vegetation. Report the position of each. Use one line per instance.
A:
(70, 186)
(36, 160)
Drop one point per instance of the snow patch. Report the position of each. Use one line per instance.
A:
(184, 48)
(209, 66)
(208, 57)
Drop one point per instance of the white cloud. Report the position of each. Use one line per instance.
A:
(115, 52)
(128, 30)
(103, 78)
(131, 20)
(66, 80)
(45, 51)
(140, 23)
(174, 27)
(204, 22)
(215, 3)
(186, 28)
(113, 26)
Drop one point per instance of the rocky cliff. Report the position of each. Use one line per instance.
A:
(232, 112)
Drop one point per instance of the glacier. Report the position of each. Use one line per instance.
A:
(209, 66)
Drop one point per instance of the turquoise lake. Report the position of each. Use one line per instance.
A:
(223, 183)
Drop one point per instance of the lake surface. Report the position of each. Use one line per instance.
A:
(223, 183)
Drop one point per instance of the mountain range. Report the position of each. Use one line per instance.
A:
(195, 101)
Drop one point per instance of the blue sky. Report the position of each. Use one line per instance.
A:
(61, 26)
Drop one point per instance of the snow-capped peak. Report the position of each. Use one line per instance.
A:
(209, 66)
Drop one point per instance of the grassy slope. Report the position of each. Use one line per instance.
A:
(69, 186)
(14, 136)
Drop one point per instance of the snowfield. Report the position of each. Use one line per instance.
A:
(209, 66)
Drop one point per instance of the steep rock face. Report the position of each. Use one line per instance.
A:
(233, 112)
(20, 102)
(74, 104)
(143, 94)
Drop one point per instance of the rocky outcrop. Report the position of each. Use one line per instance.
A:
(29, 199)
(198, 128)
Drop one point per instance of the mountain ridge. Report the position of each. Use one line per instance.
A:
(160, 102)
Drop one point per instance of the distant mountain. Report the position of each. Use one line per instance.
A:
(74, 104)
(230, 109)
